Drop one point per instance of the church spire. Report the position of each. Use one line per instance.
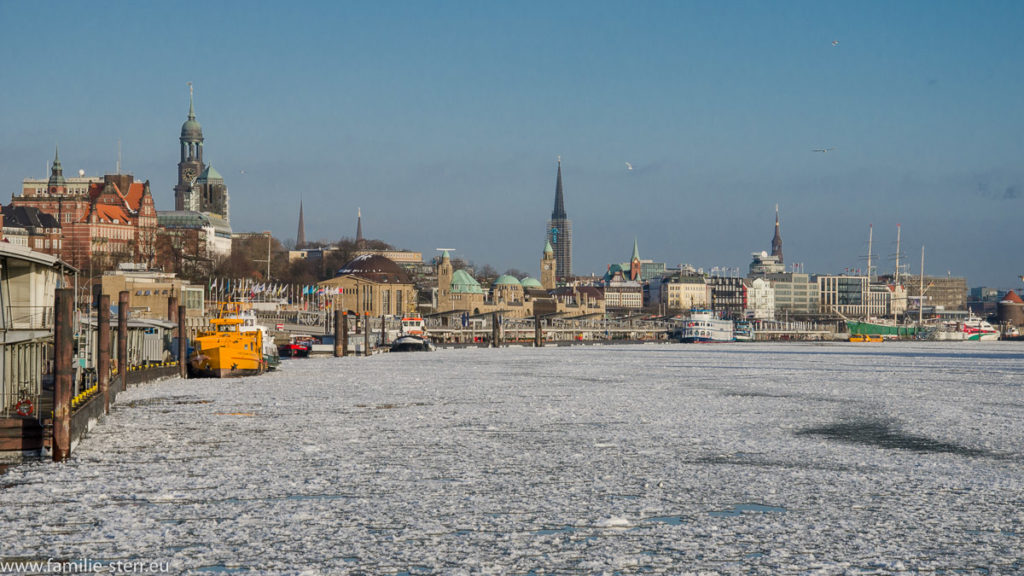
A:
(559, 212)
(360, 242)
(777, 240)
(300, 236)
(191, 107)
(636, 250)
(56, 173)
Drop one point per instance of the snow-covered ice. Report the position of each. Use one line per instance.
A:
(665, 459)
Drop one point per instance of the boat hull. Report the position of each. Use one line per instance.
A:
(227, 355)
(411, 344)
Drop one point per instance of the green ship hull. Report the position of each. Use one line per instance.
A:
(869, 328)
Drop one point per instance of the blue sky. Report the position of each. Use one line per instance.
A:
(442, 122)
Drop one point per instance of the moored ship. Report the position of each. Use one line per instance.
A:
(972, 329)
(704, 326)
(225, 351)
(413, 337)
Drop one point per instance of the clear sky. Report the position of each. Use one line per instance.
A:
(442, 121)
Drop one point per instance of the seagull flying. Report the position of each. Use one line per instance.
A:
(823, 150)
(629, 166)
(835, 42)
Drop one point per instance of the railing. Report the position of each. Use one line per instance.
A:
(29, 317)
(21, 379)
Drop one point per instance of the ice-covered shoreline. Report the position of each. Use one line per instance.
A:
(798, 458)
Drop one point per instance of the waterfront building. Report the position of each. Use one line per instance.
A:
(760, 299)
(796, 294)
(559, 232)
(113, 221)
(622, 294)
(728, 296)
(858, 297)
(762, 264)
(572, 302)
(150, 290)
(27, 289)
(30, 227)
(372, 285)
(944, 292)
(685, 292)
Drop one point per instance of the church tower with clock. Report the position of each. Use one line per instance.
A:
(200, 188)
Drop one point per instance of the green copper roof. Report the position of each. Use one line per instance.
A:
(547, 248)
(463, 283)
(210, 174)
(506, 279)
(636, 251)
(529, 282)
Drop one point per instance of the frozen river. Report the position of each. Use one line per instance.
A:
(665, 459)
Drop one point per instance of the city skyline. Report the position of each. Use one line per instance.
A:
(681, 125)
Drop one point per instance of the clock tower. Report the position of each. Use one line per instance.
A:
(186, 195)
(548, 266)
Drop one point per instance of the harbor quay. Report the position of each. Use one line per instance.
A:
(822, 457)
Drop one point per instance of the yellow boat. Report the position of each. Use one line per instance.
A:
(865, 338)
(226, 351)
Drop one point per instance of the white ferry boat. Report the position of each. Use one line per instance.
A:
(706, 326)
(972, 328)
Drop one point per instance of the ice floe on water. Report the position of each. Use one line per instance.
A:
(664, 459)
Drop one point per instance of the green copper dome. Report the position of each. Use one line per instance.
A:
(529, 282)
(463, 283)
(506, 279)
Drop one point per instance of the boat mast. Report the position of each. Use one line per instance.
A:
(920, 306)
(871, 233)
(897, 281)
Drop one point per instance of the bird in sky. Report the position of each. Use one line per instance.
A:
(835, 42)
(629, 166)
(823, 150)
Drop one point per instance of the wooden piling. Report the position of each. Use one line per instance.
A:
(383, 332)
(172, 310)
(366, 334)
(103, 349)
(538, 333)
(122, 338)
(339, 351)
(495, 331)
(182, 344)
(63, 350)
(344, 334)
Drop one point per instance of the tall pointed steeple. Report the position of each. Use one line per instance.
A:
(559, 231)
(300, 236)
(56, 184)
(777, 240)
(634, 262)
(559, 211)
(360, 242)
